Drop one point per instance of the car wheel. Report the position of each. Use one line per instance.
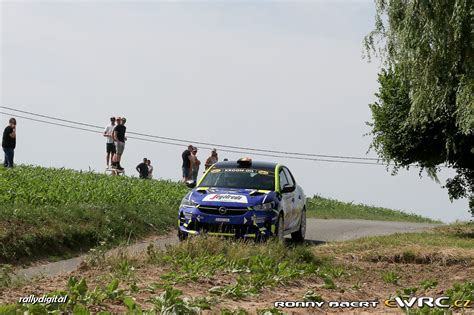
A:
(182, 236)
(280, 228)
(299, 235)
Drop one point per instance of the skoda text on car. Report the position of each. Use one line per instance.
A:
(244, 199)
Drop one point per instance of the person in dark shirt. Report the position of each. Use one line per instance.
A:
(119, 139)
(9, 142)
(142, 169)
(186, 156)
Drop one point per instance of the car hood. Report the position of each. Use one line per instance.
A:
(229, 197)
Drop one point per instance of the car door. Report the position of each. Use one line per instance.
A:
(294, 213)
(298, 199)
(287, 199)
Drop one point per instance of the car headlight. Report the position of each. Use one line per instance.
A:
(186, 203)
(265, 206)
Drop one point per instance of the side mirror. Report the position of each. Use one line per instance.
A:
(190, 183)
(287, 188)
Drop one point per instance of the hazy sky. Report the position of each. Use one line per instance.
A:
(275, 75)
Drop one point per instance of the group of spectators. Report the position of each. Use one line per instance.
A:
(115, 143)
(145, 169)
(191, 163)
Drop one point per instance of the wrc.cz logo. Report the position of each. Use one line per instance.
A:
(441, 302)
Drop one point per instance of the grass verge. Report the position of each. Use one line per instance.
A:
(233, 277)
(447, 245)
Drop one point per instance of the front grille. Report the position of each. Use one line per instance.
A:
(229, 211)
(239, 229)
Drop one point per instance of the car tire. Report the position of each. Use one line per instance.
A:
(280, 228)
(182, 236)
(299, 235)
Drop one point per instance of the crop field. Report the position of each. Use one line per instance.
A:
(52, 213)
(47, 211)
(234, 277)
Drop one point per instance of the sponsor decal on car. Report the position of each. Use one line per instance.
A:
(226, 198)
(222, 220)
(241, 170)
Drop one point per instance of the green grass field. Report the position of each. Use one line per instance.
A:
(47, 212)
(325, 208)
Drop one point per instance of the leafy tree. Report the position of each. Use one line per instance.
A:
(424, 114)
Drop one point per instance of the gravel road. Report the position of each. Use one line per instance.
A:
(318, 231)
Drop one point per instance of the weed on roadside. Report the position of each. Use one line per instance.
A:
(270, 311)
(312, 296)
(239, 311)
(6, 272)
(171, 302)
(390, 277)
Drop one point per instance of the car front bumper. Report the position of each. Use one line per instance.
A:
(246, 223)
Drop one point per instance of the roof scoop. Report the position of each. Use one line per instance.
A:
(257, 192)
(244, 162)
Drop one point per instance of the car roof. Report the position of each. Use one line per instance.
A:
(266, 166)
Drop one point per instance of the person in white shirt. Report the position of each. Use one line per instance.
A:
(110, 146)
(150, 169)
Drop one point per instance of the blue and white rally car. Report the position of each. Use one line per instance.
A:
(244, 199)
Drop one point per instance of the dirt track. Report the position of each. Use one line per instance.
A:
(318, 231)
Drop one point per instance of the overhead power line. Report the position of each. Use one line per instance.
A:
(293, 154)
(180, 144)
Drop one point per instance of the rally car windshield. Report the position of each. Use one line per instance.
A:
(239, 178)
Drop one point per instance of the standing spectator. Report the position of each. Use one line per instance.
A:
(195, 164)
(213, 159)
(142, 169)
(150, 169)
(110, 146)
(9, 142)
(186, 156)
(119, 138)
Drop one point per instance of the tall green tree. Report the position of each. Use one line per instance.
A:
(424, 113)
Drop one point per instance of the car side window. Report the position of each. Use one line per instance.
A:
(289, 176)
(283, 179)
